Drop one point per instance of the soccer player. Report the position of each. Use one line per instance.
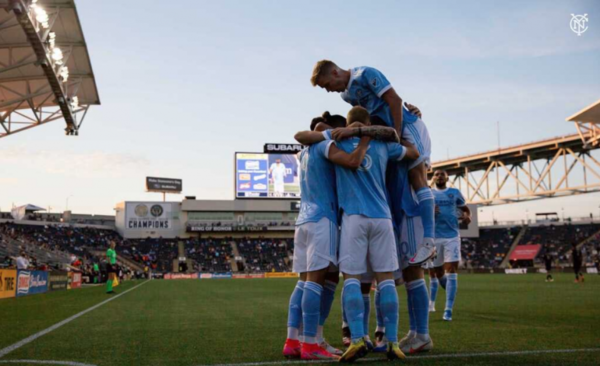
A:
(548, 263)
(315, 245)
(448, 201)
(577, 262)
(278, 174)
(111, 266)
(367, 237)
(369, 88)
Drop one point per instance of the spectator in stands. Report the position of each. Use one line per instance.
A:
(22, 261)
(8, 262)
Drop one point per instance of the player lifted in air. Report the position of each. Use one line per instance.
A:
(448, 201)
(369, 88)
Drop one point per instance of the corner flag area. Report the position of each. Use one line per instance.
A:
(504, 320)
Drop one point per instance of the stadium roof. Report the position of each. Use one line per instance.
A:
(587, 122)
(45, 68)
(590, 113)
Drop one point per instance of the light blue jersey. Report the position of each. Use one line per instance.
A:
(362, 191)
(366, 87)
(317, 185)
(446, 222)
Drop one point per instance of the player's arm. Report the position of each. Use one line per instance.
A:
(462, 205)
(395, 103)
(411, 151)
(356, 129)
(350, 161)
(466, 214)
(310, 137)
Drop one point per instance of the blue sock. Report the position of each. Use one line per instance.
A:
(327, 301)
(412, 319)
(443, 281)
(311, 308)
(344, 317)
(295, 310)
(355, 307)
(389, 308)
(433, 285)
(451, 290)
(378, 310)
(367, 304)
(420, 302)
(427, 211)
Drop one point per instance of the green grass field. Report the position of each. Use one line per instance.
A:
(202, 322)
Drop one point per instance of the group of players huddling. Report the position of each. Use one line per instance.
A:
(368, 212)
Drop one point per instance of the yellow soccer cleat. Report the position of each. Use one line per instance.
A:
(394, 352)
(356, 350)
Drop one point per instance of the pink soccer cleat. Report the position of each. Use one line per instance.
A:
(291, 349)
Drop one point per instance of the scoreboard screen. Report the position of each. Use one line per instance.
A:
(266, 175)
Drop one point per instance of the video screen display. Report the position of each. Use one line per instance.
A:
(260, 175)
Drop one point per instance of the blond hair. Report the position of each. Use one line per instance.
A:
(358, 114)
(321, 68)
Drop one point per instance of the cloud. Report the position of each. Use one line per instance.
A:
(67, 163)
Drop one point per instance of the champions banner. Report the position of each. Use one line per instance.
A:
(8, 283)
(152, 215)
(31, 282)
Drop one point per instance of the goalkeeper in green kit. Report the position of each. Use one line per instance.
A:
(111, 267)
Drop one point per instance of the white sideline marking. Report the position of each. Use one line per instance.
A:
(409, 358)
(48, 362)
(31, 338)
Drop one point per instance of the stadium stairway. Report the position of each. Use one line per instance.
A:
(506, 259)
(129, 263)
(588, 239)
(236, 254)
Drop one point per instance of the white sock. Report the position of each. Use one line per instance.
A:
(320, 334)
(423, 337)
(292, 333)
(310, 340)
(380, 329)
(411, 333)
(344, 325)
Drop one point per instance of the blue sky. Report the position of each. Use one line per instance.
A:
(185, 84)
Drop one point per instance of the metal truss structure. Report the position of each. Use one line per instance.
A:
(555, 167)
(45, 70)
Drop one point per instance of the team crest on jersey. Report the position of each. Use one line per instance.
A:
(366, 163)
(375, 82)
(450, 195)
(359, 93)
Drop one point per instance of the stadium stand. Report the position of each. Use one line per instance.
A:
(265, 255)
(489, 249)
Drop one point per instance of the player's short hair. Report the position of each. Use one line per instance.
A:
(440, 170)
(321, 68)
(334, 120)
(359, 114)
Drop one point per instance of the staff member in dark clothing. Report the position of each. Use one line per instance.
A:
(548, 262)
(577, 261)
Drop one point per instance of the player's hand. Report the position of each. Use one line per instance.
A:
(466, 219)
(340, 134)
(437, 209)
(414, 110)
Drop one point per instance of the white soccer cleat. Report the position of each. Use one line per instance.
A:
(416, 345)
(407, 339)
(425, 252)
(331, 349)
(432, 307)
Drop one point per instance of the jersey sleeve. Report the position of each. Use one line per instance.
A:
(460, 200)
(395, 151)
(376, 81)
(327, 135)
